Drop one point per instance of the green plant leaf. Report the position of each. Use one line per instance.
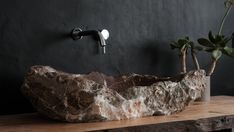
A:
(205, 42)
(229, 51)
(211, 37)
(182, 42)
(183, 48)
(216, 54)
(228, 3)
(224, 42)
(187, 38)
(218, 39)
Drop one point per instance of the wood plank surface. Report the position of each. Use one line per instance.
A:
(217, 114)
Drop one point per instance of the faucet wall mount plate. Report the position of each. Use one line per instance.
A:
(75, 32)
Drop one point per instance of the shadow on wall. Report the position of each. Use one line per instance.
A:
(10, 82)
(11, 97)
(55, 37)
(40, 42)
(165, 63)
(45, 38)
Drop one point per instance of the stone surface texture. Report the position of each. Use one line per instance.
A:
(98, 97)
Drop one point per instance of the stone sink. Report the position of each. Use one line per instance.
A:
(98, 97)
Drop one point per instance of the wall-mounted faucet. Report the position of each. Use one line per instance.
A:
(102, 36)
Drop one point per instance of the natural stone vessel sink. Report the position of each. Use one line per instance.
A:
(97, 97)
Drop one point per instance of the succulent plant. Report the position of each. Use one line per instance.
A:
(183, 45)
(217, 46)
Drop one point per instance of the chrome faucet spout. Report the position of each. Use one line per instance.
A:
(102, 36)
(102, 42)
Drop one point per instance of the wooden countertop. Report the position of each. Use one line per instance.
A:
(205, 116)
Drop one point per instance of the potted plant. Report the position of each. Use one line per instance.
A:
(216, 45)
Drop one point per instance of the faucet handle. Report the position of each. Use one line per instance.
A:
(105, 33)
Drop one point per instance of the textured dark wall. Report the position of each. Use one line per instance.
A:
(36, 32)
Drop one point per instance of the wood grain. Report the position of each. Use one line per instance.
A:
(217, 114)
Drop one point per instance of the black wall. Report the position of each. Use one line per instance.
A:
(36, 32)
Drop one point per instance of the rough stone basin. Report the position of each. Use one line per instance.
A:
(98, 97)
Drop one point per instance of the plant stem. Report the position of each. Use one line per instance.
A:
(183, 61)
(195, 60)
(224, 18)
(212, 67)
